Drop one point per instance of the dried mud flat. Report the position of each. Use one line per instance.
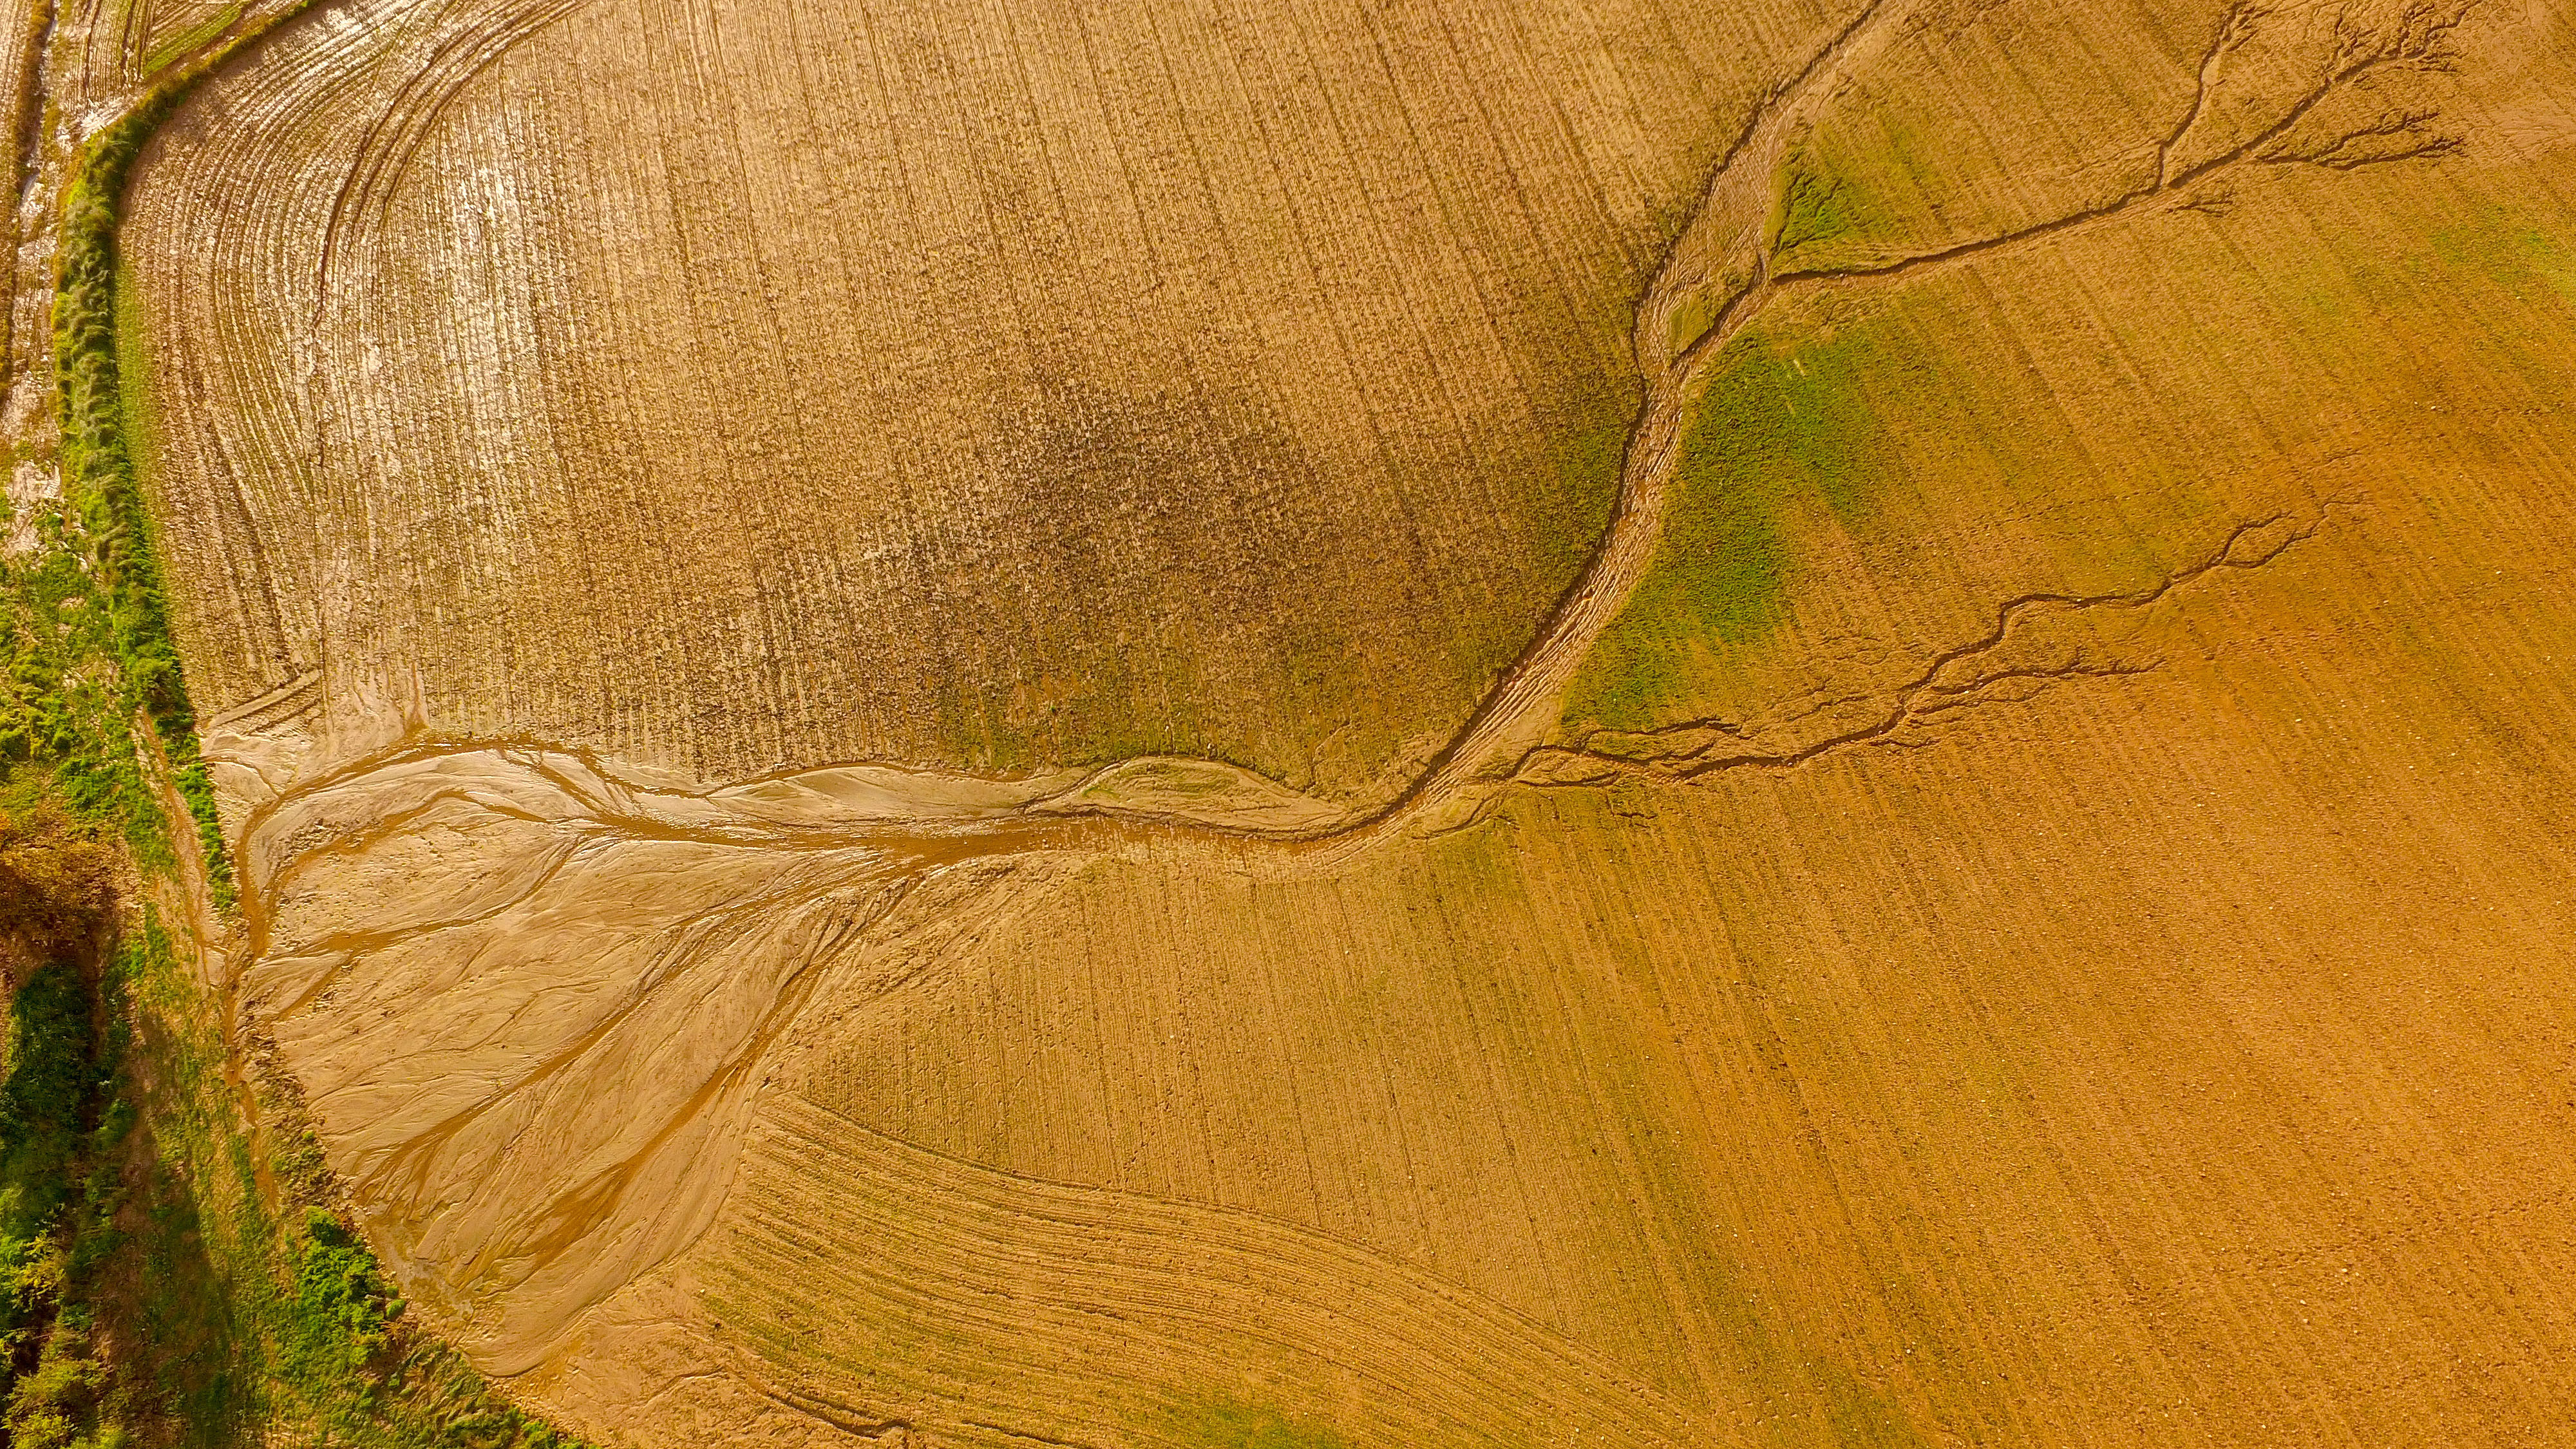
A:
(1576, 723)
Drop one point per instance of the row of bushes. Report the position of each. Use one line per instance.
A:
(99, 473)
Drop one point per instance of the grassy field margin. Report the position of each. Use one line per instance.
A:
(176, 1266)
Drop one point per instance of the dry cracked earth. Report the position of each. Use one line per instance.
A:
(1406, 722)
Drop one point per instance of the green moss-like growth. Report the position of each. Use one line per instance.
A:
(1833, 210)
(1815, 208)
(1866, 184)
(1781, 432)
(1237, 1424)
(172, 49)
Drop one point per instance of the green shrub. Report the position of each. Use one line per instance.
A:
(343, 1308)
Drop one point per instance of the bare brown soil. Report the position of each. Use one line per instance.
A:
(2047, 930)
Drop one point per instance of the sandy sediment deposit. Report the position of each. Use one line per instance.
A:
(1580, 723)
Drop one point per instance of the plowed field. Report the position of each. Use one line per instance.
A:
(1407, 724)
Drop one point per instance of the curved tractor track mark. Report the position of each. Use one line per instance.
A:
(395, 135)
(1521, 703)
(1025, 1260)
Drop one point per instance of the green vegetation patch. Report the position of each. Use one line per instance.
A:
(1815, 208)
(1227, 1423)
(2514, 252)
(62, 1121)
(172, 49)
(343, 1309)
(1841, 199)
(1782, 431)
